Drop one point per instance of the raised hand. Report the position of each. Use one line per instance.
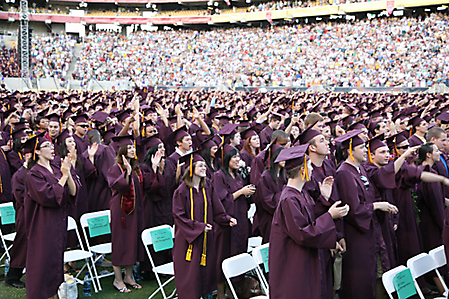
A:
(127, 165)
(66, 164)
(91, 150)
(326, 187)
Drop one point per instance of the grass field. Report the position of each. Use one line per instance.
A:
(148, 287)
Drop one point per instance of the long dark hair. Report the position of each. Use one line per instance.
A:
(226, 160)
(123, 151)
(207, 157)
(425, 149)
(63, 151)
(274, 169)
(17, 145)
(150, 153)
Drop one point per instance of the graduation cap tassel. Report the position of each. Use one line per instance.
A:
(410, 134)
(305, 174)
(396, 149)
(350, 150)
(143, 131)
(35, 147)
(191, 167)
(369, 155)
(203, 255)
(135, 150)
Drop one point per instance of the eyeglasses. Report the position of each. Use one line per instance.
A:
(47, 146)
(84, 126)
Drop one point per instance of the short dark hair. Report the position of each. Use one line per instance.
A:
(434, 132)
(294, 172)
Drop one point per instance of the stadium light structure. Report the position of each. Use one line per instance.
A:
(24, 40)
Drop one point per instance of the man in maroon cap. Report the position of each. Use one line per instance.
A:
(81, 128)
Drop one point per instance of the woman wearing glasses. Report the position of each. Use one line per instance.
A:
(49, 190)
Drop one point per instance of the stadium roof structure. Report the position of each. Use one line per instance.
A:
(328, 10)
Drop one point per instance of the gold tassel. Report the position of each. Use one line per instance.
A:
(293, 105)
(35, 147)
(350, 150)
(305, 174)
(191, 168)
(410, 134)
(135, 150)
(189, 253)
(143, 131)
(369, 155)
(203, 260)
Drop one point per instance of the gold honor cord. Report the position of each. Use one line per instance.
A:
(190, 249)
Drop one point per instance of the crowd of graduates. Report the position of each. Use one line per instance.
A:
(338, 181)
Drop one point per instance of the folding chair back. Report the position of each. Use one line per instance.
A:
(258, 258)
(165, 269)
(238, 265)
(387, 279)
(78, 254)
(100, 249)
(8, 237)
(420, 265)
(438, 256)
(254, 242)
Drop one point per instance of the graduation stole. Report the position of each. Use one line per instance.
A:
(190, 249)
(128, 201)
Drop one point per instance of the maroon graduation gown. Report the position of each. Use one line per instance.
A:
(431, 207)
(266, 199)
(295, 240)
(5, 177)
(407, 233)
(247, 157)
(383, 179)
(98, 192)
(230, 241)
(19, 249)
(360, 260)
(441, 170)
(265, 137)
(81, 143)
(192, 279)
(127, 246)
(46, 222)
(257, 167)
(15, 161)
(321, 206)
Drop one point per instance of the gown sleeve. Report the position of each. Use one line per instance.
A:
(117, 180)
(43, 192)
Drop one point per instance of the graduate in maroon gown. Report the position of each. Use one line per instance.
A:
(268, 192)
(431, 202)
(362, 229)
(48, 191)
(419, 127)
(194, 253)
(15, 157)
(297, 234)
(19, 249)
(251, 146)
(267, 132)
(208, 151)
(230, 191)
(80, 136)
(125, 179)
(438, 136)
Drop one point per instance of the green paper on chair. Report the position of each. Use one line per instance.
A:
(99, 226)
(264, 253)
(404, 285)
(8, 215)
(162, 239)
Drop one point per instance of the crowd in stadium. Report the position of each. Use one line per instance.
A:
(9, 66)
(409, 52)
(51, 55)
(198, 159)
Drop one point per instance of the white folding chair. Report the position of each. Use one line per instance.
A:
(100, 249)
(254, 242)
(387, 279)
(439, 256)
(165, 269)
(8, 237)
(238, 265)
(78, 254)
(257, 256)
(420, 265)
